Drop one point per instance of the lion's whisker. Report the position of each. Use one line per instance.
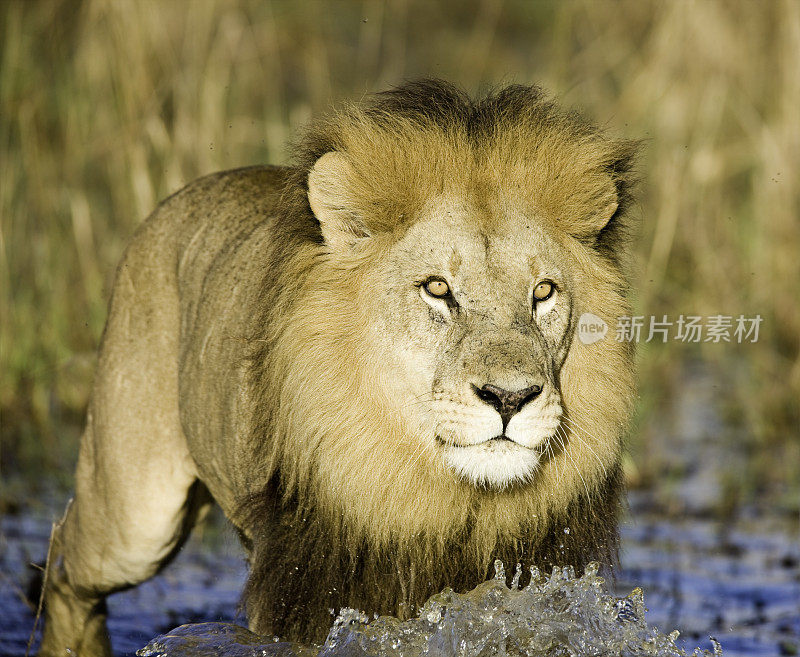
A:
(425, 448)
(416, 454)
(575, 465)
(419, 399)
(577, 434)
(408, 461)
(554, 457)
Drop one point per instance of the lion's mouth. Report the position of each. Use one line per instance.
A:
(502, 438)
(499, 440)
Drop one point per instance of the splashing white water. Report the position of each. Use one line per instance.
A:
(556, 616)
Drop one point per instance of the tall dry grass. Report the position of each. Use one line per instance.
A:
(107, 107)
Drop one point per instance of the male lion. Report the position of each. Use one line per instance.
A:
(369, 360)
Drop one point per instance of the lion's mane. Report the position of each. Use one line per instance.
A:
(344, 519)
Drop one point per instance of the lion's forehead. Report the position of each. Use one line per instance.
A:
(482, 245)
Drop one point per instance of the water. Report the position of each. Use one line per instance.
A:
(739, 582)
(556, 616)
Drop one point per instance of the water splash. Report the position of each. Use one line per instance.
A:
(557, 616)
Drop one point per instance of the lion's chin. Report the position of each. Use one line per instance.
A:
(496, 464)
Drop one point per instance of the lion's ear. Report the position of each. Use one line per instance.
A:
(329, 183)
(605, 206)
(610, 190)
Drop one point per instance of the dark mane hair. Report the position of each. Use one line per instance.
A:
(302, 565)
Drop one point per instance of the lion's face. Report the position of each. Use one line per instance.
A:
(475, 315)
(454, 258)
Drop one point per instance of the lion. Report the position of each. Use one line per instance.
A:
(369, 360)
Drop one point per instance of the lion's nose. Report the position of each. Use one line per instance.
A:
(506, 402)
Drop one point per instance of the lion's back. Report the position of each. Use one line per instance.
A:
(194, 275)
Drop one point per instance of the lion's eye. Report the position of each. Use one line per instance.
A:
(437, 288)
(543, 291)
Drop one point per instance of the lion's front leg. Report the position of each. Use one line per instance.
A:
(73, 621)
(75, 624)
(137, 494)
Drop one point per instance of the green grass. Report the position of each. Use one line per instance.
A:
(107, 107)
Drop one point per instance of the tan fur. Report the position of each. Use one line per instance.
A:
(286, 359)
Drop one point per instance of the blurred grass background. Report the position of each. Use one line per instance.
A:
(107, 107)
